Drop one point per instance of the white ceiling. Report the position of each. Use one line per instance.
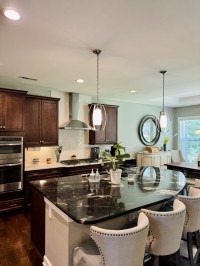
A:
(53, 43)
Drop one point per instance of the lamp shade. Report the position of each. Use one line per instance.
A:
(163, 121)
(97, 116)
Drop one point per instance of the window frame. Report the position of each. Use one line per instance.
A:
(181, 119)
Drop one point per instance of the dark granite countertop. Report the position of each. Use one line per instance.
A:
(184, 166)
(92, 203)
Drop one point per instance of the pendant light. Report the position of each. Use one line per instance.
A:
(97, 112)
(163, 114)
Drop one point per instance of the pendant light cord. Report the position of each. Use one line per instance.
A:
(163, 93)
(97, 52)
(163, 72)
(97, 77)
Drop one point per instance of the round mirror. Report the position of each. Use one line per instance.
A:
(149, 130)
(149, 178)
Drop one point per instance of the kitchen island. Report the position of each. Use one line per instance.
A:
(72, 204)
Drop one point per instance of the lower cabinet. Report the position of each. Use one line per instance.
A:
(153, 159)
(38, 220)
(80, 170)
(11, 202)
(38, 175)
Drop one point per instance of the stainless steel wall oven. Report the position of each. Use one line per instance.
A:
(11, 163)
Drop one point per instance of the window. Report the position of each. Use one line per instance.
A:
(189, 137)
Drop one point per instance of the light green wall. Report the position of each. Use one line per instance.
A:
(129, 117)
(187, 111)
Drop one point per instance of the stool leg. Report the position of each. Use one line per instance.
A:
(190, 252)
(178, 257)
(196, 234)
(155, 260)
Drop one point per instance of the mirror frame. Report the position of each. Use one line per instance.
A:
(156, 183)
(140, 130)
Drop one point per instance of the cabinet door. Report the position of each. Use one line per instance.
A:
(1, 110)
(49, 123)
(147, 161)
(109, 135)
(112, 125)
(33, 122)
(12, 110)
(41, 121)
(157, 162)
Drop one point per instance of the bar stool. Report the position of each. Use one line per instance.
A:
(116, 247)
(165, 232)
(192, 223)
(195, 183)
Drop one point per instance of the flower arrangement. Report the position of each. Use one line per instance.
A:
(117, 158)
(166, 140)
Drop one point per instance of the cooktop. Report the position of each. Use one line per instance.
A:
(79, 161)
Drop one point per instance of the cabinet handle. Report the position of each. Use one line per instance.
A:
(3, 126)
(13, 205)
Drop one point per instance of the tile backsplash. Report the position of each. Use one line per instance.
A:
(73, 142)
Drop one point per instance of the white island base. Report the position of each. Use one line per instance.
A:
(62, 234)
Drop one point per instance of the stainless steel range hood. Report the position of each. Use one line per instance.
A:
(74, 122)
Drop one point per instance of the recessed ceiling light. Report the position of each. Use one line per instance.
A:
(80, 80)
(11, 14)
(132, 91)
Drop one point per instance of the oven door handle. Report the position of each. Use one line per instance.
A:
(10, 164)
(10, 144)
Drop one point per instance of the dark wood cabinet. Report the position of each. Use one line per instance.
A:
(81, 170)
(110, 134)
(41, 121)
(38, 220)
(39, 175)
(12, 110)
(11, 202)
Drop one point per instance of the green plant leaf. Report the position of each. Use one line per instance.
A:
(166, 140)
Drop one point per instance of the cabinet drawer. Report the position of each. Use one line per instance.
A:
(42, 174)
(11, 205)
(83, 169)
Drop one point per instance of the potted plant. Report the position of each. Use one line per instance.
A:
(116, 159)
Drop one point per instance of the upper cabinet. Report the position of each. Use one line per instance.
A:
(109, 135)
(41, 121)
(12, 110)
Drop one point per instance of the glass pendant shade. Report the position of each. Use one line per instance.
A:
(97, 117)
(163, 121)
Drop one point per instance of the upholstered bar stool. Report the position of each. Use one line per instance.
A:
(192, 223)
(165, 232)
(116, 247)
(197, 182)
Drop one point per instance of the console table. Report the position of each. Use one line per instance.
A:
(157, 159)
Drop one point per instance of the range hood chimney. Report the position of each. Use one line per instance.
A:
(74, 122)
